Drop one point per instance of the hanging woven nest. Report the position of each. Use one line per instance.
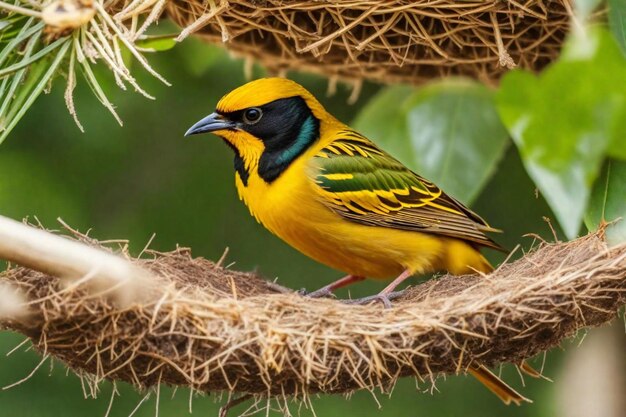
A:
(408, 41)
(390, 41)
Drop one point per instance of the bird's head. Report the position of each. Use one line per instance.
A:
(268, 123)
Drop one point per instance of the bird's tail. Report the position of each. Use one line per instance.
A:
(507, 394)
(462, 258)
(471, 261)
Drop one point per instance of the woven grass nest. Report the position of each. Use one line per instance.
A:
(387, 41)
(199, 325)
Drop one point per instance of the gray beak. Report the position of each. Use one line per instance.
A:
(211, 123)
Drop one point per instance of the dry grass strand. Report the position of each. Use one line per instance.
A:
(213, 329)
(387, 41)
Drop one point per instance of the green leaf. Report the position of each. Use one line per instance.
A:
(608, 202)
(456, 136)
(564, 121)
(617, 145)
(157, 43)
(448, 132)
(382, 120)
(617, 21)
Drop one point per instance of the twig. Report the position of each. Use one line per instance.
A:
(59, 256)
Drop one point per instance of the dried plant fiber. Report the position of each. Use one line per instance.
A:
(219, 330)
(389, 41)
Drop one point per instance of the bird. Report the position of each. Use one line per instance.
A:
(338, 198)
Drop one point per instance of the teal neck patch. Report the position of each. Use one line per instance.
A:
(288, 128)
(306, 136)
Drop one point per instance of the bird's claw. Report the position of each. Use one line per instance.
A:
(385, 299)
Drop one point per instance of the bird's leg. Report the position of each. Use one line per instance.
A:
(386, 295)
(340, 283)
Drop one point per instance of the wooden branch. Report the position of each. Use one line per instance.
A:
(69, 259)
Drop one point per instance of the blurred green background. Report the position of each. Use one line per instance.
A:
(146, 179)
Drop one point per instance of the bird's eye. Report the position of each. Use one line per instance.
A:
(252, 115)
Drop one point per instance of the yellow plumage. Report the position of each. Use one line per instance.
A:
(291, 207)
(332, 194)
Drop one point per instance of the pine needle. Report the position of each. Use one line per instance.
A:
(29, 60)
(69, 90)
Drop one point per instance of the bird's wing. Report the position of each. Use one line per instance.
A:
(364, 184)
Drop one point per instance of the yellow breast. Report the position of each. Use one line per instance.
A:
(290, 208)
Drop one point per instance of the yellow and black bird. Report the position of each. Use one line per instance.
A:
(334, 195)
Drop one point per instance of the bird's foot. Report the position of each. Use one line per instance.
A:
(382, 297)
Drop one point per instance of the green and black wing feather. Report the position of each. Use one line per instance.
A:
(364, 184)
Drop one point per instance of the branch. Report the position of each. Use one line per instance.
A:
(218, 330)
(69, 259)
